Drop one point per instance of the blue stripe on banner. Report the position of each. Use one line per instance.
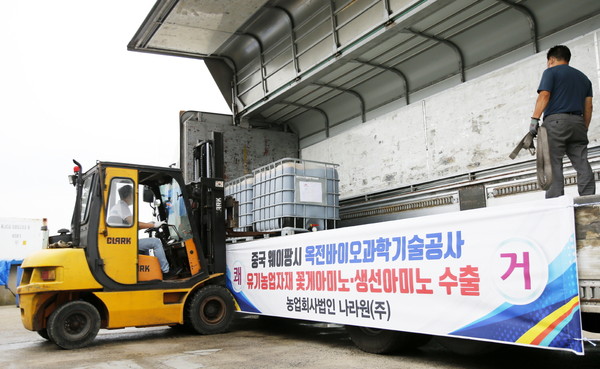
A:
(563, 261)
(241, 299)
(548, 340)
(511, 321)
(559, 271)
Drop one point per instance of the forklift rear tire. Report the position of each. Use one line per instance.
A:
(74, 325)
(211, 310)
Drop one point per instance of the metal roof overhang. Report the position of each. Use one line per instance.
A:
(315, 66)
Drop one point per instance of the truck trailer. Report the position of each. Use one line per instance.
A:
(505, 274)
(419, 104)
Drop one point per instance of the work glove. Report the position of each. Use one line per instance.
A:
(533, 126)
(158, 224)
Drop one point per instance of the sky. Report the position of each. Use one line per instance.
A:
(69, 89)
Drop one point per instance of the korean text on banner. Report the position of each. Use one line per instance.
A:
(505, 274)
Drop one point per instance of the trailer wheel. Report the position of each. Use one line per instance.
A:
(590, 322)
(211, 310)
(74, 325)
(467, 347)
(381, 341)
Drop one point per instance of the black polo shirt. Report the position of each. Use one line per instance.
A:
(568, 89)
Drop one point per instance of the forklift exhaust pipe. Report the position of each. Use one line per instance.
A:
(76, 221)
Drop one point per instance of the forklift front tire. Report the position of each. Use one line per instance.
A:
(211, 310)
(44, 334)
(74, 325)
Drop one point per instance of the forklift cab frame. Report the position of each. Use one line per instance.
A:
(91, 278)
(111, 241)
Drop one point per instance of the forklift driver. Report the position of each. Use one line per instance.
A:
(122, 211)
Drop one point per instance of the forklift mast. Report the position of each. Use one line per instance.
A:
(207, 192)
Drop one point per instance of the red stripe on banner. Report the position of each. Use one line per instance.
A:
(551, 327)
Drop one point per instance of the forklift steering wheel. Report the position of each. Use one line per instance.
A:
(164, 227)
(161, 232)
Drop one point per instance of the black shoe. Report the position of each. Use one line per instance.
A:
(171, 274)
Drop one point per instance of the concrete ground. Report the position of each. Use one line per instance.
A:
(252, 343)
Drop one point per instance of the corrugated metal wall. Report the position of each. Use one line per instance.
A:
(472, 126)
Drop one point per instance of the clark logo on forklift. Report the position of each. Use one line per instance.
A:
(118, 240)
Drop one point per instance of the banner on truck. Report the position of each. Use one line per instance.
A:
(505, 274)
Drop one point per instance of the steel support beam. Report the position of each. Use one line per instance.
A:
(234, 88)
(292, 36)
(387, 8)
(363, 113)
(530, 18)
(336, 40)
(308, 107)
(263, 75)
(452, 45)
(389, 69)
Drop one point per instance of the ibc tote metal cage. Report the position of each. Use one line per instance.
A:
(295, 195)
(241, 190)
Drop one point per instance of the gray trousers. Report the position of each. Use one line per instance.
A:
(567, 134)
(154, 244)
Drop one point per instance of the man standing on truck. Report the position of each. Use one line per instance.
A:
(565, 98)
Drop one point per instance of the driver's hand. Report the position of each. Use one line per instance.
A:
(158, 224)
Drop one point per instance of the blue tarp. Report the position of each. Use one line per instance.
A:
(5, 270)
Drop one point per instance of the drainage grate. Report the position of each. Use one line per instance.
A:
(413, 205)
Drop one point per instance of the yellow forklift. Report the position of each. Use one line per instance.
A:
(94, 276)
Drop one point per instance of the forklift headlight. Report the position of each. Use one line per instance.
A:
(48, 275)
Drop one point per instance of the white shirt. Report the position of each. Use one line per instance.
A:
(122, 211)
